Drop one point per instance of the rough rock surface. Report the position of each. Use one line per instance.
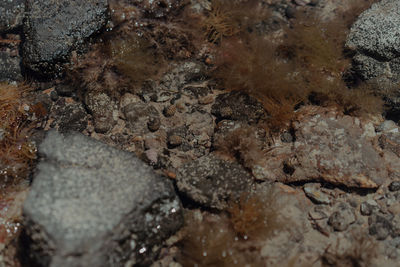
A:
(12, 14)
(374, 38)
(337, 149)
(212, 181)
(53, 28)
(93, 205)
(10, 69)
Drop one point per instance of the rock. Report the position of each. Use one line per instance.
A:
(379, 226)
(374, 38)
(337, 149)
(70, 116)
(138, 115)
(10, 69)
(376, 31)
(64, 90)
(101, 107)
(341, 219)
(94, 205)
(12, 14)
(158, 9)
(394, 186)
(213, 182)
(153, 124)
(53, 28)
(238, 106)
(367, 208)
(313, 192)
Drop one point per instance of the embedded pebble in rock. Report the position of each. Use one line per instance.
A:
(313, 191)
(93, 205)
(337, 149)
(213, 182)
(341, 219)
(12, 14)
(53, 28)
(153, 124)
(174, 140)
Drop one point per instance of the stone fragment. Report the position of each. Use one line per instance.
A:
(213, 182)
(379, 226)
(367, 208)
(313, 192)
(53, 28)
(94, 205)
(341, 219)
(70, 116)
(394, 186)
(101, 107)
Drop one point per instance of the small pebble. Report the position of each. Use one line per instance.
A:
(154, 124)
(169, 111)
(366, 209)
(54, 96)
(394, 186)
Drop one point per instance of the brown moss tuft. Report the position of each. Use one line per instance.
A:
(16, 151)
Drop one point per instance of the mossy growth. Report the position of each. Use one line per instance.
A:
(233, 238)
(17, 153)
(285, 73)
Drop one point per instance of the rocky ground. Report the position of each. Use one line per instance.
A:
(191, 133)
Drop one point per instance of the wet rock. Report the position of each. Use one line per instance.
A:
(12, 14)
(94, 205)
(313, 192)
(70, 116)
(335, 148)
(101, 107)
(53, 28)
(238, 106)
(10, 69)
(394, 186)
(213, 182)
(341, 219)
(379, 226)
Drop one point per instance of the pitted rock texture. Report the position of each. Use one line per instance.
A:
(53, 28)
(12, 14)
(94, 205)
(337, 149)
(212, 181)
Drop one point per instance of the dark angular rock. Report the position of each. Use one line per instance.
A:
(394, 186)
(212, 181)
(94, 205)
(53, 28)
(238, 106)
(10, 69)
(70, 117)
(12, 14)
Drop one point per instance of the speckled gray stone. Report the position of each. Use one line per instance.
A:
(94, 205)
(53, 28)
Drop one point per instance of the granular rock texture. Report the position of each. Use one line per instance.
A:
(53, 28)
(93, 205)
(337, 149)
(212, 181)
(12, 14)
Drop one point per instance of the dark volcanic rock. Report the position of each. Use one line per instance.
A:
(11, 14)
(54, 27)
(94, 205)
(212, 181)
(10, 69)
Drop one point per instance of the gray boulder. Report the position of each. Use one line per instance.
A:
(94, 205)
(54, 27)
(12, 14)
(375, 39)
